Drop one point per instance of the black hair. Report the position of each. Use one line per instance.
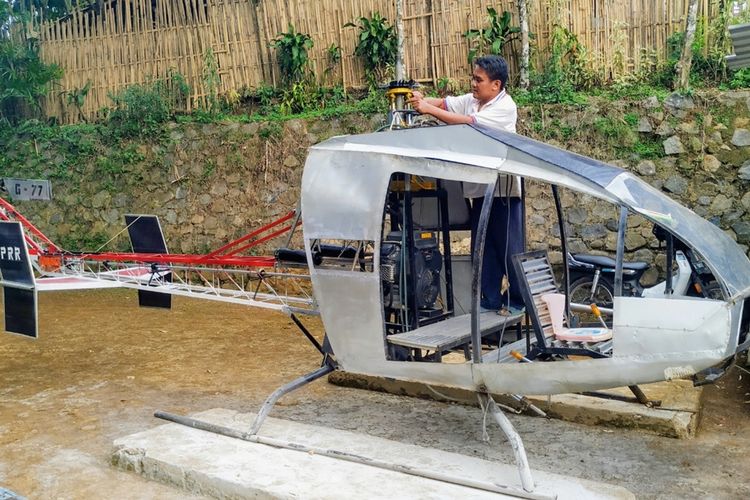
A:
(495, 67)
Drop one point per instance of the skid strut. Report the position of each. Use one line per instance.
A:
(286, 389)
(487, 403)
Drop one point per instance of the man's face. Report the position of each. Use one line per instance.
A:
(483, 88)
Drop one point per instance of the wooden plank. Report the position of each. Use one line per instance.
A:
(452, 332)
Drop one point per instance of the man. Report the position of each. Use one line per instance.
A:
(488, 104)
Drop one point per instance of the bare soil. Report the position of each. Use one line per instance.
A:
(102, 366)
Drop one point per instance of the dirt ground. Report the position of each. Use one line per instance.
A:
(102, 366)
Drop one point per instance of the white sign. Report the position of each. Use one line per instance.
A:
(28, 189)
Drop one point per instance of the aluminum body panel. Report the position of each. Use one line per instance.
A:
(669, 325)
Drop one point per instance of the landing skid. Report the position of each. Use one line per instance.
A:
(485, 400)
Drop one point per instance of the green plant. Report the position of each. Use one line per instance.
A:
(374, 102)
(565, 73)
(709, 47)
(24, 79)
(77, 97)
(333, 58)
(648, 149)
(117, 161)
(262, 97)
(740, 79)
(445, 86)
(141, 109)
(492, 39)
(291, 53)
(295, 99)
(376, 46)
(329, 96)
(208, 169)
(270, 130)
(211, 82)
(84, 241)
(708, 59)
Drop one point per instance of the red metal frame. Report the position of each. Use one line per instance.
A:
(9, 213)
(176, 258)
(224, 256)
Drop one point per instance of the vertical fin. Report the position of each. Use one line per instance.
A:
(146, 237)
(19, 289)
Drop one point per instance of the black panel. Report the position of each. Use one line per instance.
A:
(14, 260)
(155, 299)
(146, 237)
(145, 234)
(20, 311)
(20, 303)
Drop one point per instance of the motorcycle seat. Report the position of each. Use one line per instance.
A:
(604, 261)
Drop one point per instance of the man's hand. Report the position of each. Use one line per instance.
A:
(434, 106)
(418, 102)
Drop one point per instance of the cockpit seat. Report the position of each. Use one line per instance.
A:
(556, 306)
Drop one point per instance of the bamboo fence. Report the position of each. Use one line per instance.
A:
(125, 42)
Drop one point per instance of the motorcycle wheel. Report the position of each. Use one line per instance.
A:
(581, 292)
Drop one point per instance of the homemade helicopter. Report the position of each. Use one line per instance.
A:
(379, 211)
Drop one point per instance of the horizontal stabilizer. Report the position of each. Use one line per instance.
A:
(146, 237)
(19, 289)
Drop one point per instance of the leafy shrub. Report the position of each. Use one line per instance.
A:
(492, 39)
(211, 82)
(708, 65)
(291, 53)
(565, 73)
(374, 102)
(295, 99)
(740, 79)
(24, 79)
(141, 109)
(377, 46)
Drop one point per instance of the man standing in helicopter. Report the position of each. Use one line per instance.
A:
(490, 105)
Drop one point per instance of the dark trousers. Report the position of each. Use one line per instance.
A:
(504, 239)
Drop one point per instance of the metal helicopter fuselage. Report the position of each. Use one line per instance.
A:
(346, 186)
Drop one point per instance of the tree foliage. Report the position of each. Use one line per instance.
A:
(24, 78)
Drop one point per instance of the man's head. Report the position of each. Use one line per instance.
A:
(489, 77)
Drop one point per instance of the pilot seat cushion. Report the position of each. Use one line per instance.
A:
(556, 307)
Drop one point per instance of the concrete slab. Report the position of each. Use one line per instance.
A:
(677, 417)
(224, 467)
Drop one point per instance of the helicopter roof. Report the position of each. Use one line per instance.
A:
(484, 148)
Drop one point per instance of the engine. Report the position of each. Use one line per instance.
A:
(427, 263)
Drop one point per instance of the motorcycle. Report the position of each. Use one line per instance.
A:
(592, 279)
